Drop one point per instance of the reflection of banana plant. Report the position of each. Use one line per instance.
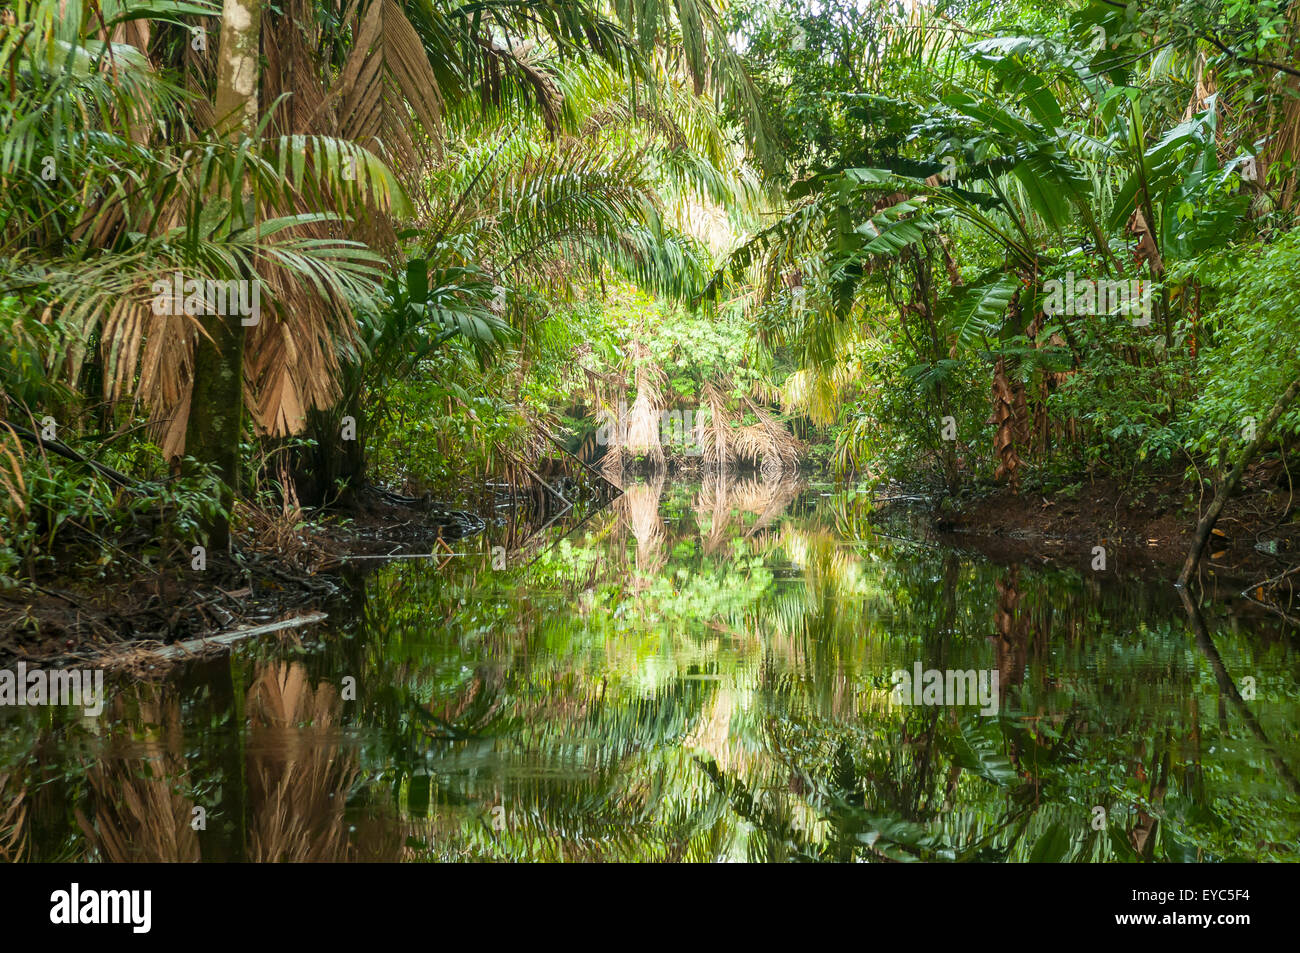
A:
(855, 819)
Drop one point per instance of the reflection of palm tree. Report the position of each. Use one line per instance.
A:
(721, 495)
(140, 812)
(639, 509)
(298, 779)
(13, 812)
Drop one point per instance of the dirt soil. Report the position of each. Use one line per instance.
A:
(1148, 528)
(78, 617)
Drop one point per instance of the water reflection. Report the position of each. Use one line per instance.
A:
(698, 672)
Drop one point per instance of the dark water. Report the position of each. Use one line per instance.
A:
(696, 673)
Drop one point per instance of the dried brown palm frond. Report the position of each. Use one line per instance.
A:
(387, 71)
(765, 391)
(295, 101)
(130, 35)
(290, 356)
(305, 316)
(643, 425)
(778, 448)
(11, 470)
(523, 61)
(605, 389)
(291, 54)
(723, 439)
(1204, 94)
(290, 363)
(712, 430)
(636, 430)
(618, 113)
(298, 777)
(1147, 250)
(750, 443)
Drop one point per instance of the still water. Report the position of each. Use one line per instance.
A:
(698, 673)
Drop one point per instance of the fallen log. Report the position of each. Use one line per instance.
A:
(190, 647)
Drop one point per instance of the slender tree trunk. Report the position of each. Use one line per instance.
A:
(1230, 484)
(217, 413)
(235, 103)
(217, 401)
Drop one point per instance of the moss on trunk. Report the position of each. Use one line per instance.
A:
(217, 413)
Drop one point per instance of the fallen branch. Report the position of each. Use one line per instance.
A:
(1268, 582)
(1288, 619)
(61, 449)
(191, 647)
(1230, 485)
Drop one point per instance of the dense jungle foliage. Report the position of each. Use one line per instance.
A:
(269, 268)
(946, 243)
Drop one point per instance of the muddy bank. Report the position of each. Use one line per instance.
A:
(281, 567)
(148, 592)
(1147, 526)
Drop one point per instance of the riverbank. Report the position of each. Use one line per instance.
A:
(1151, 525)
(283, 565)
(288, 566)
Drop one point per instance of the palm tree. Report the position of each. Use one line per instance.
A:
(135, 191)
(294, 177)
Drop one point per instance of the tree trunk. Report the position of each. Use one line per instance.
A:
(1229, 485)
(217, 414)
(217, 400)
(235, 102)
